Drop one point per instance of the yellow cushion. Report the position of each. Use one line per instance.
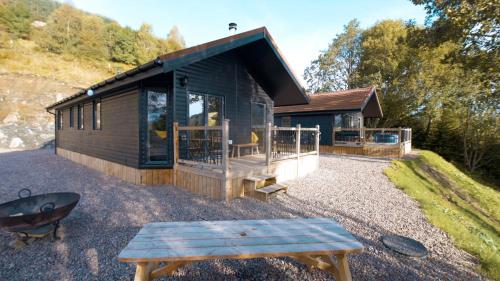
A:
(255, 138)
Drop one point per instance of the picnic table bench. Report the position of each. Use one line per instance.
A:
(317, 242)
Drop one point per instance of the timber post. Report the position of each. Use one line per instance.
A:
(317, 139)
(400, 142)
(268, 140)
(176, 150)
(297, 146)
(225, 160)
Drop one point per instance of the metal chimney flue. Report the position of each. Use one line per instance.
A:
(232, 28)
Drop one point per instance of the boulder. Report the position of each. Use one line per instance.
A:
(16, 143)
(11, 118)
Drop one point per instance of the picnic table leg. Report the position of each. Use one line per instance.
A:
(342, 266)
(238, 152)
(143, 271)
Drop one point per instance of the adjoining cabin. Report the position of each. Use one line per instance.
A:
(176, 119)
(347, 119)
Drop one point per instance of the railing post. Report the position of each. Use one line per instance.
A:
(268, 149)
(317, 139)
(176, 149)
(225, 159)
(297, 145)
(400, 143)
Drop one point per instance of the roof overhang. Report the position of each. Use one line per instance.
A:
(256, 48)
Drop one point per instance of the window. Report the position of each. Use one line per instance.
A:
(96, 115)
(71, 117)
(196, 110)
(157, 126)
(80, 117)
(258, 116)
(286, 121)
(205, 110)
(59, 120)
(214, 110)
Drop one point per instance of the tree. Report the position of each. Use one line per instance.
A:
(474, 25)
(146, 45)
(175, 41)
(120, 43)
(91, 38)
(62, 32)
(16, 19)
(335, 68)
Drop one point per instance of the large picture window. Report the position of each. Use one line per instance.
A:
(157, 126)
(258, 111)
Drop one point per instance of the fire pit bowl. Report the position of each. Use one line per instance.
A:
(31, 212)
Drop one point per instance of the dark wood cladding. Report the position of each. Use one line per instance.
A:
(118, 139)
(223, 75)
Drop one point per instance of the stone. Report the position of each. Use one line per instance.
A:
(16, 143)
(11, 118)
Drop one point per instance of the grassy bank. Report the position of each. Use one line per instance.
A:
(462, 207)
(23, 56)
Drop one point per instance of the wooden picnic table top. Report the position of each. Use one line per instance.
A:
(238, 239)
(244, 144)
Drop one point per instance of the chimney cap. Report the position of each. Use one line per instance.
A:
(233, 25)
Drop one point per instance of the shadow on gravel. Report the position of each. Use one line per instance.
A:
(111, 212)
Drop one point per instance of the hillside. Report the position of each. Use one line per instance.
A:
(50, 50)
(464, 208)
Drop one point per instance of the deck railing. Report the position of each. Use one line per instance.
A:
(380, 136)
(374, 138)
(202, 145)
(291, 142)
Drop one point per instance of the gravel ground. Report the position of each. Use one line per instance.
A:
(352, 190)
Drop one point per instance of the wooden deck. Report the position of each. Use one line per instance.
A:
(210, 181)
(311, 241)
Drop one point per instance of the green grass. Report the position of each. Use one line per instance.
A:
(467, 210)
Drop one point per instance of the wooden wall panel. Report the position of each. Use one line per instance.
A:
(118, 139)
(392, 151)
(125, 173)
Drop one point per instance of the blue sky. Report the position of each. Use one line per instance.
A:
(300, 28)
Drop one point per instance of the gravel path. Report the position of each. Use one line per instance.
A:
(352, 190)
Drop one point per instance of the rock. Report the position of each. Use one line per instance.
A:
(11, 118)
(17, 244)
(16, 143)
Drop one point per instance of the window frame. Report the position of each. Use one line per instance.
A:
(289, 121)
(251, 115)
(205, 106)
(60, 119)
(71, 116)
(147, 162)
(94, 115)
(81, 117)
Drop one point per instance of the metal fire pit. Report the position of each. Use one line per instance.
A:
(30, 213)
(405, 246)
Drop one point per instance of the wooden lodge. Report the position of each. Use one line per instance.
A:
(347, 119)
(200, 118)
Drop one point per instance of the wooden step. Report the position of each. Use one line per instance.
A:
(255, 182)
(265, 192)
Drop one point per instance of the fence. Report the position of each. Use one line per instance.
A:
(201, 145)
(291, 142)
(389, 142)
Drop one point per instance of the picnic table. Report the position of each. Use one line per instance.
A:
(317, 242)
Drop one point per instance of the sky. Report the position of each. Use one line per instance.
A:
(301, 29)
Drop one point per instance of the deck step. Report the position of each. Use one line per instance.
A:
(265, 192)
(260, 177)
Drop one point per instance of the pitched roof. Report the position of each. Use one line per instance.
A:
(245, 40)
(353, 99)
